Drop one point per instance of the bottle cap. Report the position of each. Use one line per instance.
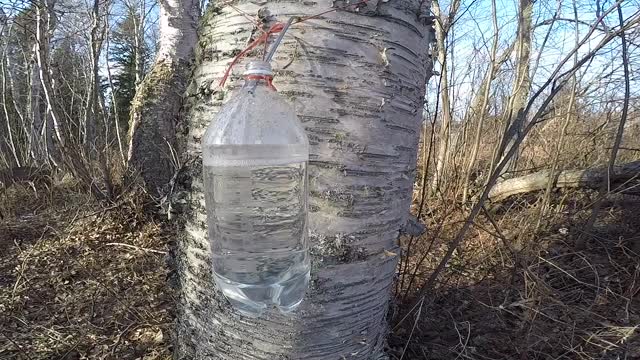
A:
(258, 67)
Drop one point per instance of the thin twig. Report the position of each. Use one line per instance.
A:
(138, 248)
(558, 80)
(415, 323)
(20, 349)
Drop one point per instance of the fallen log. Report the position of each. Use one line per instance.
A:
(624, 176)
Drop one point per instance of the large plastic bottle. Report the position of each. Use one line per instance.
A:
(255, 157)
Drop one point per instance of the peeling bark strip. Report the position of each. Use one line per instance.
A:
(155, 107)
(358, 83)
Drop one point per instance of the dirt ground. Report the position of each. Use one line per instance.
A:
(543, 299)
(78, 281)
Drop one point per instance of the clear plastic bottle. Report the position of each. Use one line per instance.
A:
(255, 157)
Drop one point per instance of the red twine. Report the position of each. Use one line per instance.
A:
(276, 28)
(267, 78)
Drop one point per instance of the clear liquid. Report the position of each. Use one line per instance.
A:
(257, 219)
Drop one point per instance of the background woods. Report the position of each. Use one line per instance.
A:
(70, 70)
(508, 128)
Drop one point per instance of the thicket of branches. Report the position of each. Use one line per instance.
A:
(531, 131)
(69, 72)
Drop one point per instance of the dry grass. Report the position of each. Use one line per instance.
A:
(81, 281)
(512, 293)
(518, 287)
(78, 282)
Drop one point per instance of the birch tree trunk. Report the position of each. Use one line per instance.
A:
(4, 90)
(4, 97)
(155, 107)
(19, 107)
(357, 82)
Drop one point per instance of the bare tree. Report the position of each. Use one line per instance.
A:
(139, 30)
(45, 26)
(93, 113)
(4, 87)
(513, 116)
(605, 188)
(443, 25)
(481, 100)
(533, 114)
(551, 183)
(36, 116)
(114, 102)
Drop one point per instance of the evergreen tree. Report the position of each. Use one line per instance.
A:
(122, 56)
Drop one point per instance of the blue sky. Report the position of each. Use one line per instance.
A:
(473, 35)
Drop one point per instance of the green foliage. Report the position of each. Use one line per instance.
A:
(122, 56)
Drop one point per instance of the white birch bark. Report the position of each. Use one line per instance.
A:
(4, 98)
(45, 25)
(21, 108)
(93, 106)
(357, 82)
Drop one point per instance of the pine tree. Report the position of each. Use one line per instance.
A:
(122, 56)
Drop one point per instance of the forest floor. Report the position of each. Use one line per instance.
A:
(512, 293)
(78, 281)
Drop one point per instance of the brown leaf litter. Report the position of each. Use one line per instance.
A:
(80, 283)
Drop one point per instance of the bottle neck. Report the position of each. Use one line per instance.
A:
(258, 79)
